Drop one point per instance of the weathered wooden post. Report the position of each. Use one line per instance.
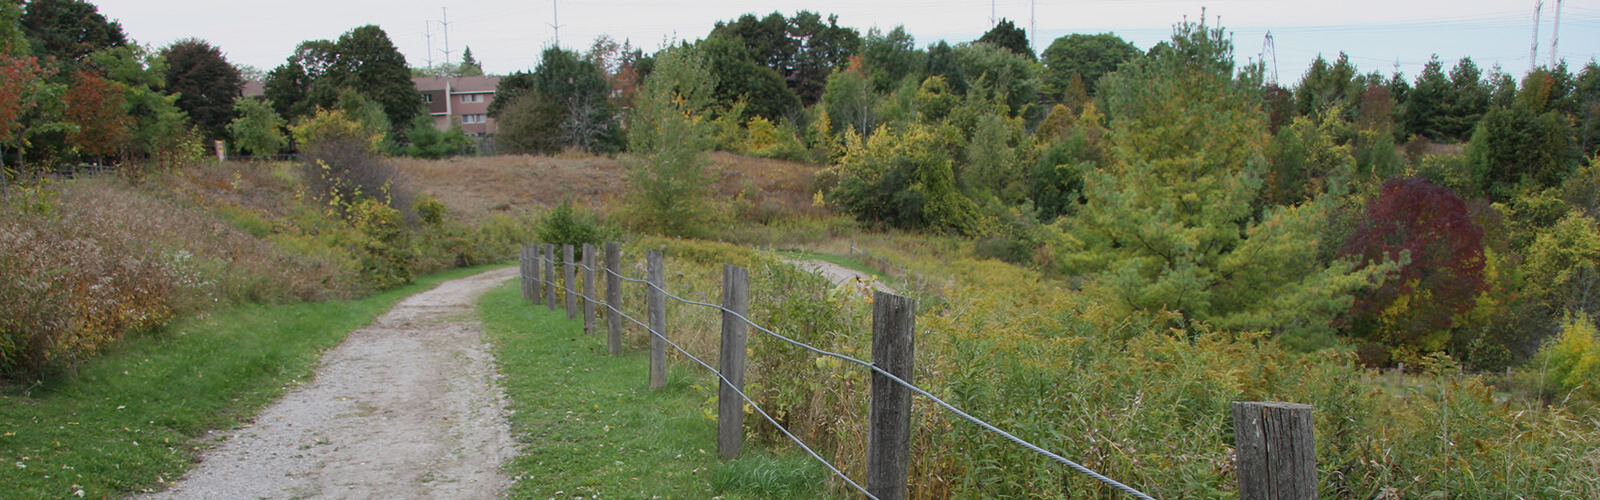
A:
(550, 277)
(614, 297)
(588, 289)
(656, 275)
(537, 252)
(1276, 450)
(889, 417)
(730, 405)
(523, 259)
(569, 285)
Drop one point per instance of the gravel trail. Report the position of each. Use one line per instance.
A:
(407, 407)
(840, 275)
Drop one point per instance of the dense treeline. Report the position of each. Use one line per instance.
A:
(1452, 213)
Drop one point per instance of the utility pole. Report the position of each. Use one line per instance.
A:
(446, 23)
(555, 20)
(1555, 37)
(1533, 48)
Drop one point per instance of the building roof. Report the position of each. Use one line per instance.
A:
(459, 84)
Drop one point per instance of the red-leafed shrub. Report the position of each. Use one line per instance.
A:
(1428, 228)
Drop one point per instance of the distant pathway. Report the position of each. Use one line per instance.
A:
(840, 275)
(405, 408)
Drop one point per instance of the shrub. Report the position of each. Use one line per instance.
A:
(1571, 361)
(565, 225)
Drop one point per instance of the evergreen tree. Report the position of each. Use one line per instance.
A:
(1007, 35)
(469, 65)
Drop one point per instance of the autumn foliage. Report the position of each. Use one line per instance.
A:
(1428, 229)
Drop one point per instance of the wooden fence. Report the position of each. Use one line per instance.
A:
(1276, 449)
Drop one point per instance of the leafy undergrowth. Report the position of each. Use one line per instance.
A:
(589, 426)
(138, 416)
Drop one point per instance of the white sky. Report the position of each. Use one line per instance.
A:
(508, 35)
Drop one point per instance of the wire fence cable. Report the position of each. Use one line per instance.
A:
(964, 415)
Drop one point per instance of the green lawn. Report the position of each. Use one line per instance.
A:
(139, 415)
(589, 427)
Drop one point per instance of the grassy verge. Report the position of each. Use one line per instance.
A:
(589, 427)
(139, 416)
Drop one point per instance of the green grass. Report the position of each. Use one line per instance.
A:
(139, 416)
(589, 426)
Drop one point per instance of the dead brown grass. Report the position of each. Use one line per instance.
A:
(473, 188)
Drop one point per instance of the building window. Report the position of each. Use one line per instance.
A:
(477, 118)
(471, 98)
(428, 98)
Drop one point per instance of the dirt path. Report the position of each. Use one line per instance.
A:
(405, 408)
(839, 274)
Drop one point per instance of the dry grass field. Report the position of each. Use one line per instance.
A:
(473, 188)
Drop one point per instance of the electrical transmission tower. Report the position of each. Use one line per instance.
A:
(446, 23)
(555, 20)
(427, 32)
(1533, 47)
(1555, 37)
(1269, 48)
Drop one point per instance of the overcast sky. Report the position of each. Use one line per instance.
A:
(508, 35)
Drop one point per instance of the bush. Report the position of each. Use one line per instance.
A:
(565, 225)
(343, 171)
(1571, 361)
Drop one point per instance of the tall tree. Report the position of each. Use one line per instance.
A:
(369, 62)
(1088, 57)
(564, 102)
(69, 30)
(891, 57)
(1427, 102)
(739, 78)
(287, 87)
(363, 59)
(205, 82)
(668, 138)
(1000, 75)
(803, 49)
(20, 79)
(1007, 35)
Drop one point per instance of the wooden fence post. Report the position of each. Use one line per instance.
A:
(889, 418)
(569, 285)
(1276, 450)
(614, 297)
(658, 320)
(536, 252)
(523, 260)
(550, 277)
(730, 405)
(588, 289)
